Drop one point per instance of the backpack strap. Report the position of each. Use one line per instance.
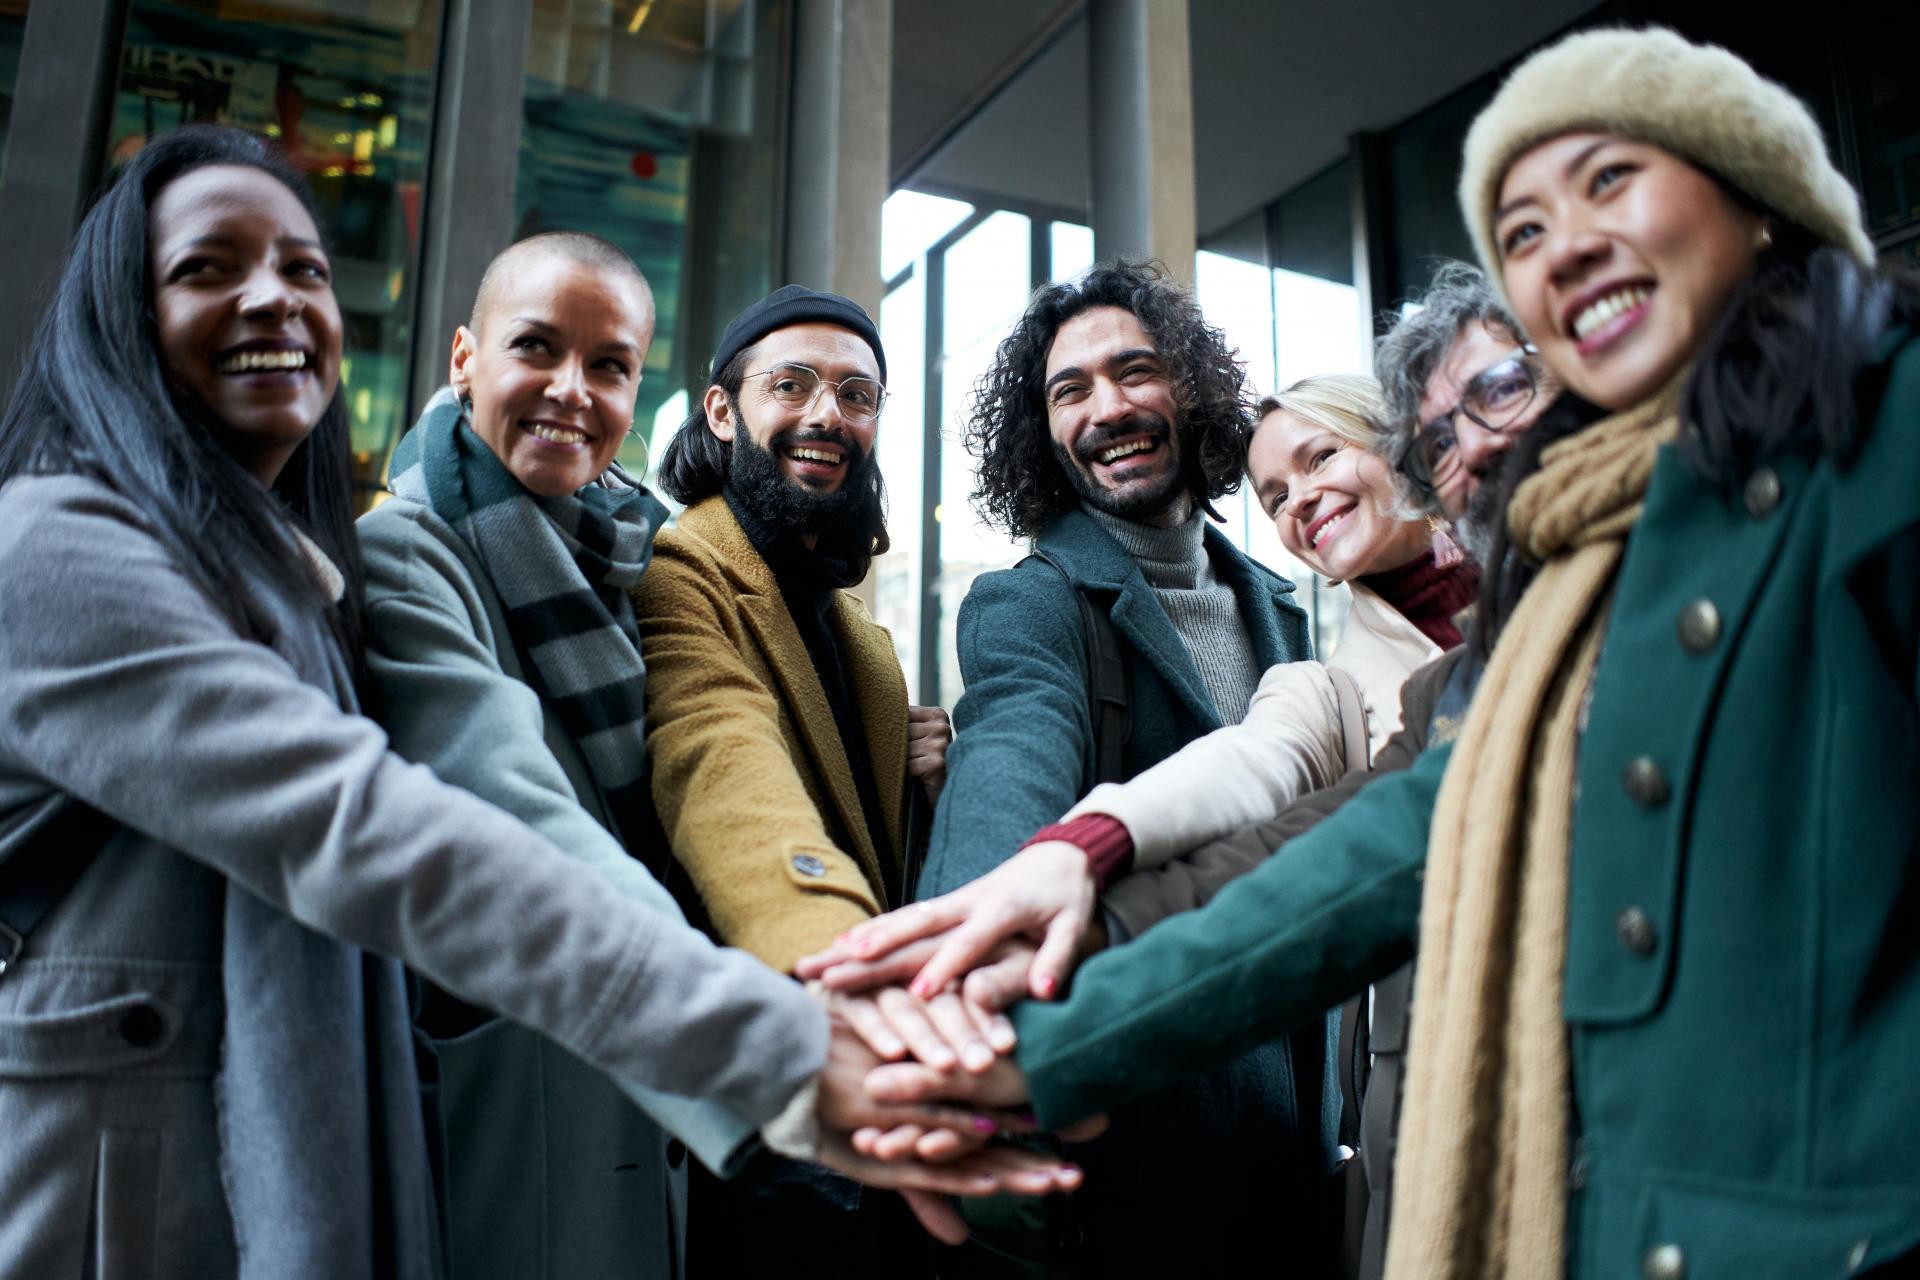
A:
(1109, 701)
(37, 874)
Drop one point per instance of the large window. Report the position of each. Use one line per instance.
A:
(655, 124)
(13, 25)
(958, 277)
(346, 88)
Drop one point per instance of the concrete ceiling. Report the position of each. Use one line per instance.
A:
(1278, 85)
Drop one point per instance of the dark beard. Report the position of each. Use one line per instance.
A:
(755, 479)
(1476, 525)
(1138, 503)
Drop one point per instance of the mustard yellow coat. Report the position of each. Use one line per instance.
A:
(745, 754)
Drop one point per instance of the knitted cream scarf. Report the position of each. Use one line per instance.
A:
(1480, 1184)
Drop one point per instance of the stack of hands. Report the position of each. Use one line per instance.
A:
(920, 1088)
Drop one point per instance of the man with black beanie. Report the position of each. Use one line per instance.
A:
(781, 744)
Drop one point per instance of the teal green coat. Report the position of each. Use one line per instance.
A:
(1746, 1067)
(550, 1168)
(1023, 750)
(1247, 1143)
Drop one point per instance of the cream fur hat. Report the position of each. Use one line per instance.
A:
(1700, 102)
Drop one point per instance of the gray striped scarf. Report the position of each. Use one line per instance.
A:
(562, 567)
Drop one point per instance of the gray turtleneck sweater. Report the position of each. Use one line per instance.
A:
(1203, 609)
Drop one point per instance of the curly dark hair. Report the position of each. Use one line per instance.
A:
(1021, 486)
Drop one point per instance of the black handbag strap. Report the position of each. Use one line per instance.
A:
(38, 874)
(1109, 701)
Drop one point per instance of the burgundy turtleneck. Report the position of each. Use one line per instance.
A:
(1429, 593)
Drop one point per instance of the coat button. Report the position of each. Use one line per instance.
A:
(1857, 1256)
(1762, 493)
(1699, 626)
(142, 1026)
(808, 865)
(1664, 1262)
(1635, 931)
(1646, 785)
(676, 1153)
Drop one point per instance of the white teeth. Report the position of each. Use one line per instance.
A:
(558, 435)
(250, 361)
(1320, 534)
(1606, 308)
(1125, 450)
(815, 455)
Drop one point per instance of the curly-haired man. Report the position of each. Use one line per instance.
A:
(1112, 415)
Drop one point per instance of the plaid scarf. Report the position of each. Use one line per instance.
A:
(562, 567)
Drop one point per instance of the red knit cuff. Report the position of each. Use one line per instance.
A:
(1104, 838)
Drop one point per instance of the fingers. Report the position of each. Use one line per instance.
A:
(1053, 964)
(910, 1019)
(955, 1021)
(895, 969)
(1001, 1085)
(939, 1218)
(864, 1016)
(1086, 1130)
(964, 948)
(876, 937)
(995, 986)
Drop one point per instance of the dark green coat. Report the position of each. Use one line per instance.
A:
(1194, 1177)
(1743, 965)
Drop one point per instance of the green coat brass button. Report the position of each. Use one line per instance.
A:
(1646, 786)
(1762, 493)
(1699, 626)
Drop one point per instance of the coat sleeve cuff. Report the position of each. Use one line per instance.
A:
(1104, 838)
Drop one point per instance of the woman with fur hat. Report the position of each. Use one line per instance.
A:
(1663, 873)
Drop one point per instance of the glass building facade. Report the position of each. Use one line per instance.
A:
(657, 124)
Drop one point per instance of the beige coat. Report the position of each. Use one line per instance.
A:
(1289, 744)
(745, 754)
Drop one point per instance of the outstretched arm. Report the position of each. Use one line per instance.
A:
(1304, 930)
(154, 710)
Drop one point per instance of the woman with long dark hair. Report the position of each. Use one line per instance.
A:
(205, 1062)
(1663, 873)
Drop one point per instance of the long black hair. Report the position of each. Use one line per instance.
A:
(1779, 372)
(93, 398)
(1021, 485)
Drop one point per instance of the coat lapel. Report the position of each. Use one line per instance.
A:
(765, 613)
(881, 691)
(1095, 561)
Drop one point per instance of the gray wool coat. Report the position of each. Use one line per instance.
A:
(227, 773)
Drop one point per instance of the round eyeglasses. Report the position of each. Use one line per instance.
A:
(795, 386)
(1493, 400)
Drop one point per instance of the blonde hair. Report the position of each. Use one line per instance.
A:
(1350, 405)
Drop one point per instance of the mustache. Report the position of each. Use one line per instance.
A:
(1089, 446)
(794, 437)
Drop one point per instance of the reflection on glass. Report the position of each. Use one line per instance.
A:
(1072, 250)
(897, 581)
(988, 276)
(911, 222)
(346, 88)
(13, 26)
(654, 124)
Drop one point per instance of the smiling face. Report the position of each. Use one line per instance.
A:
(1331, 500)
(815, 445)
(1476, 451)
(243, 303)
(1111, 411)
(554, 369)
(1618, 257)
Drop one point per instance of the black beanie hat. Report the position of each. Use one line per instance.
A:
(790, 305)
